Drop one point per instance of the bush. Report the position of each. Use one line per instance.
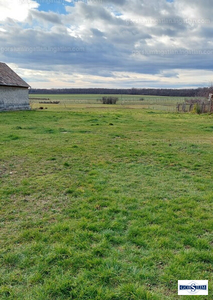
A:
(197, 109)
(109, 100)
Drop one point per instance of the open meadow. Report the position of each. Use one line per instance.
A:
(104, 203)
(68, 101)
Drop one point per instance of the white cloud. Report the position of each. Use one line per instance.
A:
(61, 79)
(16, 9)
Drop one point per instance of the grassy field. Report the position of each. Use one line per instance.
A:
(104, 204)
(68, 100)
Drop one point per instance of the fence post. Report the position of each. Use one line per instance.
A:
(202, 107)
(184, 107)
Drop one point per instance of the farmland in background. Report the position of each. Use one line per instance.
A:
(68, 101)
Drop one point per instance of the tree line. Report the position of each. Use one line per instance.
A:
(198, 92)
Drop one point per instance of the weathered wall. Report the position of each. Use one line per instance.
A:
(14, 98)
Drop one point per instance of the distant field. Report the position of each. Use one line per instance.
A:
(67, 101)
(104, 204)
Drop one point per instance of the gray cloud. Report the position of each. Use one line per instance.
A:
(146, 37)
(45, 17)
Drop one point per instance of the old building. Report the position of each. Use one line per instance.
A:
(13, 90)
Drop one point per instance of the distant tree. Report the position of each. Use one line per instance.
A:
(199, 92)
(109, 100)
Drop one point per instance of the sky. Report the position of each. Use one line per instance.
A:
(109, 44)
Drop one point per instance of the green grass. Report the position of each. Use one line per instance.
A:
(104, 204)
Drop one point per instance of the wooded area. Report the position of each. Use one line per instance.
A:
(199, 92)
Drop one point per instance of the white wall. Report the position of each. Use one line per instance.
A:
(14, 98)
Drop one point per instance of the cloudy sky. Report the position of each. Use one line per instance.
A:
(101, 43)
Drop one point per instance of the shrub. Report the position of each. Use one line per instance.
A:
(109, 100)
(197, 109)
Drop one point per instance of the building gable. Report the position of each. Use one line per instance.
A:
(9, 78)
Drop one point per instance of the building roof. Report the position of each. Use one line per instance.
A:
(9, 78)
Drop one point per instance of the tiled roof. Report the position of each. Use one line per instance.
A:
(9, 78)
